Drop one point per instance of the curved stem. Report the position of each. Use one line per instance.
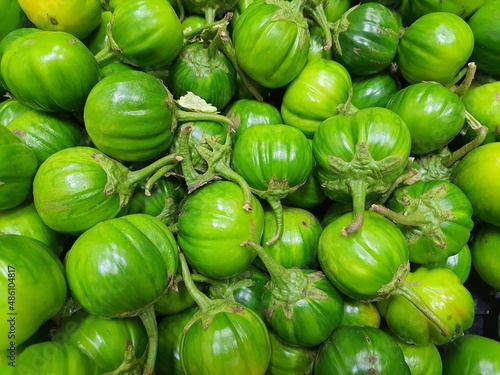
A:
(469, 77)
(406, 220)
(284, 279)
(106, 55)
(358, 193)
(201, 299)
(155, 177)
(227, 48)
(481, 133)
(148, 318)
(231, 175)
(275, 204)
(318, 14)
(407, 292)
(141, 174)
(186, 116)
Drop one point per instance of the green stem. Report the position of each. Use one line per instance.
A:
(162, 172)
(201, 299)
(231, 175)
(409, 293)
(106, 55)
(131, 365)
(318, 14)
(182, 12)
(148, 318)
(210, 13)
(197, 277)
(276, 206)
(358, 193)
(481, 133)
(188, 170)
(170, 161)
(227, 48)
(469, 77)
(186, 116)
(406, 220)
(284, 279)
(189, 34)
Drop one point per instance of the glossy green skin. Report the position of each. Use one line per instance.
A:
(462, 8)
(460, 264)
(287, 359)
(313, 96)
(360, 313)
(193, 22)
(113, 67)
(444, 293)
(246, 288)
(309, 196)
(46, 133)
(485, 248)
(170, 329)
(298, 246)
(98, 38)
(244, 348)
(422, 359)
(120, 255)
(373, 91)
(434, 48)
(13, 17)
(382, 130)
(50, 70)
(25, 220)
(176, 299)
(313, 320)
(68, 191)
(249, 112)
(9, 38)
(104, 341)
(334, 211)
(17, 169)
(434, 115)
(126, 117)
(317, 42)
(486, 38)
(147, 33)
(335, 8)
(481, 164)
(40, 287)
(456, 228)
(471, 355)
(205, 72)
(369, 43)
(272, 152)
(255, 34)
(483, 103)
(212, 225)
(360, 350)
(10, 109)
(155, 204)
(378, 250)
(52, 357)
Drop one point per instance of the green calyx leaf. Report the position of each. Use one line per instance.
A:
(422, 216)
(399, 279)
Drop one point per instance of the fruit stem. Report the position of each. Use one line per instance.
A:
(148, 318)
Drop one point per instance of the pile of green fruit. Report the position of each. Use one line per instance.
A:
(249, 187)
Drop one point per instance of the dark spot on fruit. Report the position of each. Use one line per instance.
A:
(53, 20)
(372, 360)
(305, 224)
(368, 340)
